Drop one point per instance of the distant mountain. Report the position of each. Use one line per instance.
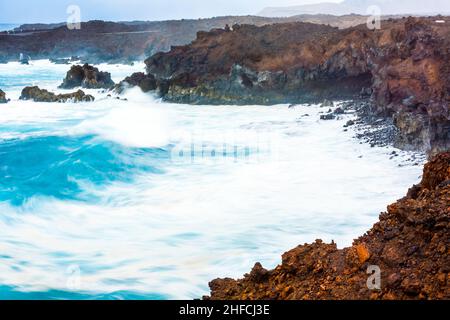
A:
(388, 7)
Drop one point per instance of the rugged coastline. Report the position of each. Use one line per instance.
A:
(403, 68)
(410, 245)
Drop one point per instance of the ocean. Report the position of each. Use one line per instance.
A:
(136, 198)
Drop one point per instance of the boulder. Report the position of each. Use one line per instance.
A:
(41, 95)
(327, 117)
(146, 82)
(88, 77)
(3, 97)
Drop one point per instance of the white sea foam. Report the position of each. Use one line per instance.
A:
(171, 233)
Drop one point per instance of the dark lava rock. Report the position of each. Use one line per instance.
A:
(349, 123)
(41, 95)
(403, 67)
(146, 82)
(410, 244)
(88, 77)
(327, 104)
(60, 60)
(327, 117)
(365, 93)
(3, 97)
(339, 111)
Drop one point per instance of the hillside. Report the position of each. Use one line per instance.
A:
(100, 41)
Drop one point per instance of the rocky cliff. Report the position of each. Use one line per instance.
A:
(409, 246)
(403, 66)
(3, 97)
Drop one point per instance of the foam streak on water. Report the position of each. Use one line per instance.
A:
(93, 203)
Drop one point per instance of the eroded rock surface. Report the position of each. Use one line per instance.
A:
(410, 244)
(102, 41)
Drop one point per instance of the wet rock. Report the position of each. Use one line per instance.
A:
(3, 97)
(349, 123)
(41, 95)
(402, 67)
(414, 259)
(88, 77)
(146, 82)
(327, 117)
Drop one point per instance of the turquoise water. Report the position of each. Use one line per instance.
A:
(141, 199)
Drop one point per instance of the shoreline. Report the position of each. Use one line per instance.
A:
(409, 249)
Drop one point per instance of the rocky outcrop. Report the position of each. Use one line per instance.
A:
(3, 97)
(41, 95)
(88, 77)
(409, 246)
(146, 82)
(403, 67)
(102, 41)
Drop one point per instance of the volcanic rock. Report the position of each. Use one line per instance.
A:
(145, 82)
(88, 77)
(41, 95)
(410, 245)
(403, 66)
(112, 42)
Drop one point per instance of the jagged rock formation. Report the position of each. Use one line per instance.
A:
(41, 95)
(360, 6)
(145, 82)
(404, 65)
(410, 244)
(3, 97)
(88, 77)
(101, 41)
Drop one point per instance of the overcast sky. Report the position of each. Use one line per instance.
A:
(26, 11)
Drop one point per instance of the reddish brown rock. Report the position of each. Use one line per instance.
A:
(414, 262)
(101, 41)
(3, 97)
(41, 95)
